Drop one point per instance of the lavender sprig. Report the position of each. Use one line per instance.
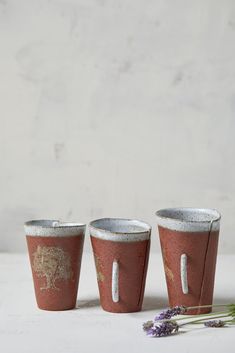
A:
(169, 313)
(214, 323)
(147, 325)
(162, 329)
(163, 326)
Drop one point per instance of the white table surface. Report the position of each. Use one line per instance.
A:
(24, 328)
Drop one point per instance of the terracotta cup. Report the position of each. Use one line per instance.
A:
(121, 252)
(189, 241)
(55, 252)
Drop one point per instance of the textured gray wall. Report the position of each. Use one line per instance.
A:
(115, 108)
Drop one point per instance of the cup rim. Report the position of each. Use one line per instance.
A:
(189, 224)
(147, 228)
(193, 209)
(52, 227)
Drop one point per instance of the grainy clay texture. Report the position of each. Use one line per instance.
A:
(189, 242)
(201, 250)
(133, 262)
(121, 252)
(55, 263)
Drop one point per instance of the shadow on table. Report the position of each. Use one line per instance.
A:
(229, 299)
(154, 303)
(149, 303)
(90, 303)
(222, 300)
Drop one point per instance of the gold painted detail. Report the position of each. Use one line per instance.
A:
(169, 273)
(98, 265)
(53, 263)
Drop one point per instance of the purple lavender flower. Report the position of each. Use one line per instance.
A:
(167, 314)
(214, 323)
(147, 325)
(162, 329)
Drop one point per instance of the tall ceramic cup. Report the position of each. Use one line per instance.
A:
(189, 241)
(121, 252)
(55, 252)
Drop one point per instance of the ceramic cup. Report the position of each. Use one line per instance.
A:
(55, 252)
(189, 241)
(121, 252)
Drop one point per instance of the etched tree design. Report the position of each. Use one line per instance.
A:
(53, 263)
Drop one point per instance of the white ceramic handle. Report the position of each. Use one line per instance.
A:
(115, 275)
(183, 273)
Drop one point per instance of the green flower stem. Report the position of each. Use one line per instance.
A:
(186, 317)
(205, 306)
(202, 320)
(226, 321)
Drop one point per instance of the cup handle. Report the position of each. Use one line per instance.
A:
(183, 273)
(115, 275)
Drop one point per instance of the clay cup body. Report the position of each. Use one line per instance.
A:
(189, 241)
(121, 252)
(55, 252)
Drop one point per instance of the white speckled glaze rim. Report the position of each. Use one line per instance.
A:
(120, 229)
(188, 219)
(53, 228)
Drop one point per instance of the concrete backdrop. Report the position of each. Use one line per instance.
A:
(115, 108)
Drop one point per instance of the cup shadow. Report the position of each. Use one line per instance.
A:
(222, 301)
(89, 303)
(149, 303)
(154, 303)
